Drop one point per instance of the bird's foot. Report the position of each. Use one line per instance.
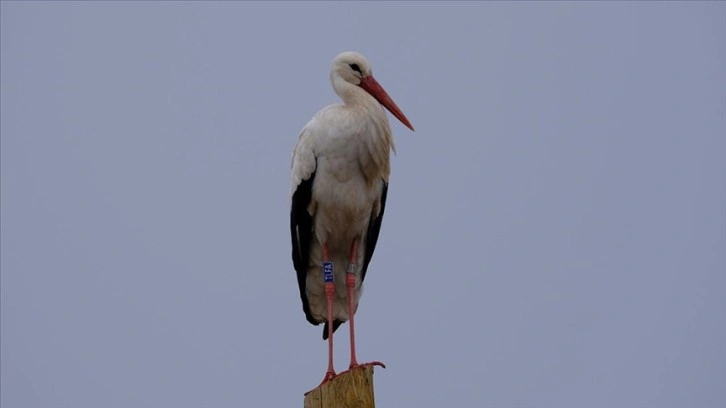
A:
(328, 376)
(355, 365)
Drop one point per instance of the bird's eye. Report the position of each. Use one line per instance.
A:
(355, 67)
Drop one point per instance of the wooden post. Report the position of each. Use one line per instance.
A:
(351, 389)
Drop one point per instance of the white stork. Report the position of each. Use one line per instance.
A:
(340, 170)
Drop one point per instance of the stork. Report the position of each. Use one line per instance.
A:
(340, 168)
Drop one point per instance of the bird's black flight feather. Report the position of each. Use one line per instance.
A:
(301, 230)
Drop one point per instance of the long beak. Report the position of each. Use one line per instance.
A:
(376, 90)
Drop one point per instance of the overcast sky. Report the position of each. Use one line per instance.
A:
(555, 234)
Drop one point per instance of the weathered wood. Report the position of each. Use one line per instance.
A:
(351, 389)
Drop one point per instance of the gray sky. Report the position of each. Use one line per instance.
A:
(555, 234)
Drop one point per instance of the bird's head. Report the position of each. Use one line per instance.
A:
(355, 69)
(352, 67)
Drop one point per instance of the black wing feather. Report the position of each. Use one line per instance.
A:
(374, 228)
(301, 230)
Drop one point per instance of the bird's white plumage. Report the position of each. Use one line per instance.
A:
(347, 148)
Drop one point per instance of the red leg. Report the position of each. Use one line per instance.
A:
(350, 281)
(329, 292)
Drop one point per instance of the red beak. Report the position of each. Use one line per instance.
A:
(376, 90)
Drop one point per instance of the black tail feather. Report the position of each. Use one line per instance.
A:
(336, 324)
